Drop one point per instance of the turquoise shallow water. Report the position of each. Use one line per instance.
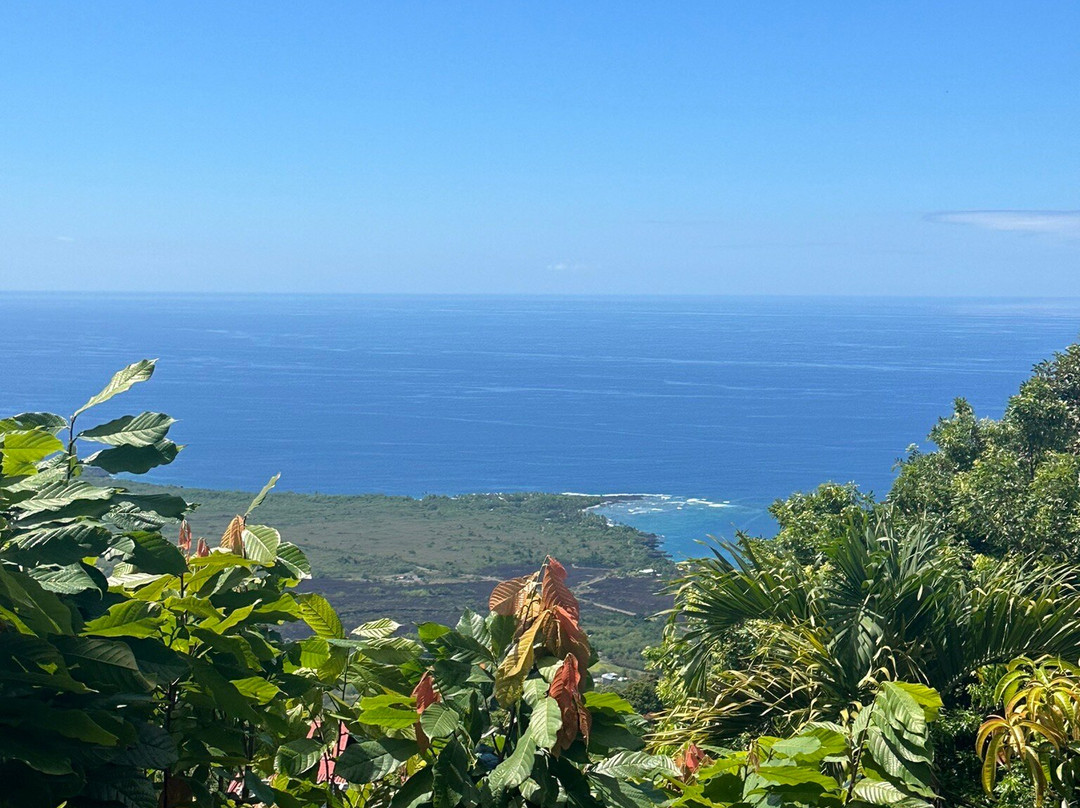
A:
(726, 401)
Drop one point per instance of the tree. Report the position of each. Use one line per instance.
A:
(883, 605)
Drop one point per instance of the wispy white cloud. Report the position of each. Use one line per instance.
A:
(64, 238)
(1046, 222)
(566, 266)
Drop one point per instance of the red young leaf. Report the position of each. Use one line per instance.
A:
(575, 718)
(690, 761)
(555, 592)
(564, 635)
(233, 540)
(203, 549)
(185, 537)
(425, 695)
(506, 597)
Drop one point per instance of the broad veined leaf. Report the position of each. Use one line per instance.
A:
(293, 559)
(261, 543)
(135, 459)
(122, 381)
(517, 664)
(438, 720)
(70, 579)
(608, 702)
(64, 544)
(296, 757)
(22, 450)
(565, 692)
(255, 503)
(103, 662)
(505, 598)
(167, 506)
(383, 627)
(391, 711)
(320, 616)
(144, 429)
(128, 618)
(49, 421)
(154, 554)
(56, 496)
(40, 610)
(370, 761)
(516, 768)
(636, 766)
(546, 722)
(257, 688)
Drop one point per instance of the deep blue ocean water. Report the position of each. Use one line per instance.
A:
(720, 404)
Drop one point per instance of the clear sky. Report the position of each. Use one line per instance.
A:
(579, 147)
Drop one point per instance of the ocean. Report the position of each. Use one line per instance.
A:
(716, 406)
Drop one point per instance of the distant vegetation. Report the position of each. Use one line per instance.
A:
(427, 559)
(918, 651)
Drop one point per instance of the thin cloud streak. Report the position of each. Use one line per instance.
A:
(1045, 222)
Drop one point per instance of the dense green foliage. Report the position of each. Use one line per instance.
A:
(875, 754)
(1005, 486)
(969, 562)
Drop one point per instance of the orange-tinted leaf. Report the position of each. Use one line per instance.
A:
(563, 635)
(505, 598)
(185, 538)
(689, 761)
(203, 549)
(555, 592)
(515, 666)
(233, 540)
(425, 695)
(565, 689)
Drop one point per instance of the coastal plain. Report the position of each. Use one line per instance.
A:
(427, 559)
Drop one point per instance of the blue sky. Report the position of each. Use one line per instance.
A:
(690, 147)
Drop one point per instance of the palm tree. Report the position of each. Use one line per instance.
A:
(880, 604)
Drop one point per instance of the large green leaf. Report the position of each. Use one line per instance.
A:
(369, 761)
(257, 688)
(56, 496)
(261, 543)
(122, 381)
(167, 506)
(383, 627)
(636, 766)
(35, 607)
(153, 553)
(296, 757)
(293, 559)
(135, 459)
(23, 450)
(516, 768)
(388, 712)
(545, 722)
(65, 544)
(439, 721)
(49, 421)
(320, 616)
(101, 662)
(255, 503)
(144, 429)
(129, 618)
(70, 579)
